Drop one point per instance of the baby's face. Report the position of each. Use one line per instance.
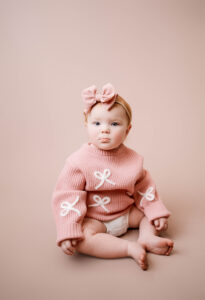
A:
(107, 129)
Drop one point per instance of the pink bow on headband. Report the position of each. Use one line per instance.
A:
(90, 96)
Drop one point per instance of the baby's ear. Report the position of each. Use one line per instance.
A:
(128, 128)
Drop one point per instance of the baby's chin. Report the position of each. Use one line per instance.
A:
(106, 146)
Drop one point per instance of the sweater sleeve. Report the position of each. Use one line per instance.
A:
(69, 203)
(147, 199)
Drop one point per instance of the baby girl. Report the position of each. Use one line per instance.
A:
(103, 189)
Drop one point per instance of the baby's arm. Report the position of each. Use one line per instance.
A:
(148, 201)
(69, 203)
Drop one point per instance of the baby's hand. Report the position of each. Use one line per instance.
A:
(161, 224)
(68, 246)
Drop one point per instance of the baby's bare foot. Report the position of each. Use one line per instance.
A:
(157, 245)
(136, 251)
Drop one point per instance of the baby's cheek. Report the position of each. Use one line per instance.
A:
(120, 135)
(92, 133)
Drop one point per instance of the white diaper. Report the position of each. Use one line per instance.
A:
(118, 226)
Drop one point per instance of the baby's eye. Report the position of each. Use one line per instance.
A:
(114, 124)
(96, 123)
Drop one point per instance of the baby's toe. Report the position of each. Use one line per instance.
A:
(171, 245)
(143, 261)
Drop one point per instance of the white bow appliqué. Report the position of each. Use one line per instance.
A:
(103, 177)
(69, 206)
(101, 202)
(147, 195)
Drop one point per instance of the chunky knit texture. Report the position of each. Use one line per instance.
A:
(103, 185)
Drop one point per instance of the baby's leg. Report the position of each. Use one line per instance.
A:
(148, 237)
(101, 244)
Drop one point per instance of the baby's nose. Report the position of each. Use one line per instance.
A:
(105, 129)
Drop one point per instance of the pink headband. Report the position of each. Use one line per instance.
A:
(90, 96)
(107, 97)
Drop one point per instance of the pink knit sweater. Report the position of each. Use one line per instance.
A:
(103, 185)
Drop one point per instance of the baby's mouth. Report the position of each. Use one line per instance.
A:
(104, 140)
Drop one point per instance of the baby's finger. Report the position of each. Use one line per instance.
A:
(65, 248)
(161, 224)
(68, 252)
(67, 243)
(165, 226)
(156, 223)
(70, 246)
(74, 242)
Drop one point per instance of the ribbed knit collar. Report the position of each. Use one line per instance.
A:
(98, 152)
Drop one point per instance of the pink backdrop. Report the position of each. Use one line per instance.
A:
(151, 51)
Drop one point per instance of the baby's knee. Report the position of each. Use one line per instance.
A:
(88, 231)
(91, 227)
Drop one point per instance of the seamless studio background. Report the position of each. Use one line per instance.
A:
(151, 51)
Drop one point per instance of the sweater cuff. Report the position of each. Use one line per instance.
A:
(156, 210)
(69, 231)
